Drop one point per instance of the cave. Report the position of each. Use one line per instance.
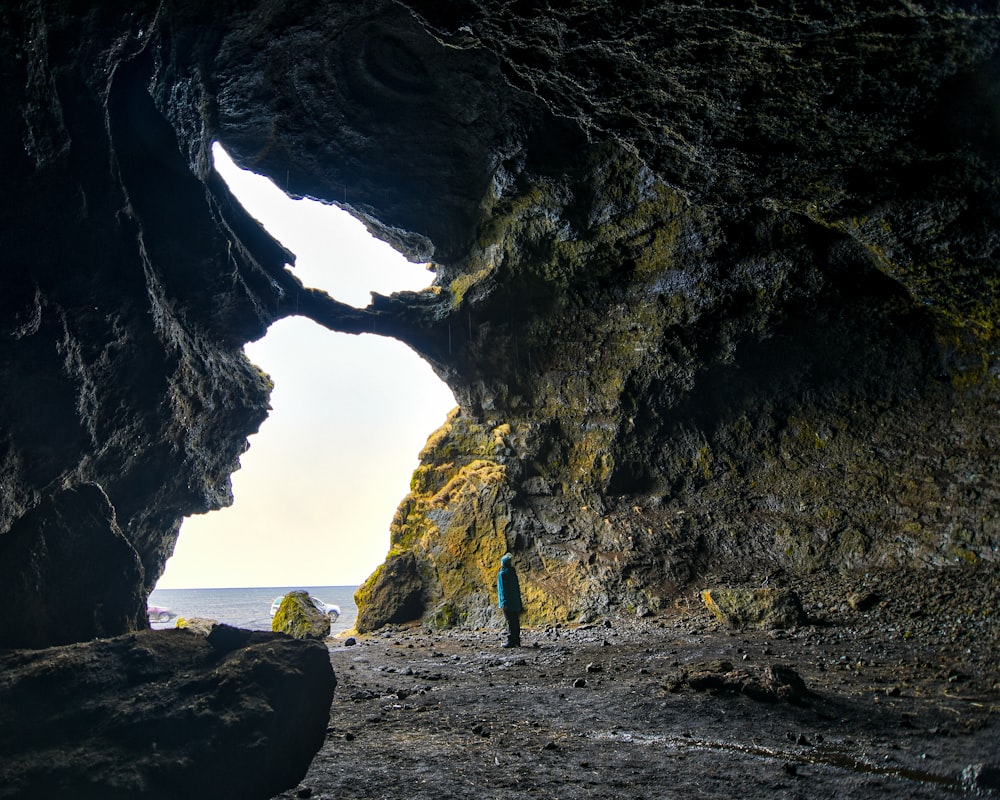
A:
(715, 291)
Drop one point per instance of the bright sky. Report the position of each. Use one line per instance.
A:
(322, 479)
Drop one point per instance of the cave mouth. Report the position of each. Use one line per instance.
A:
(317, 489)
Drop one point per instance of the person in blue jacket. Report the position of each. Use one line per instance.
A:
(509, 596)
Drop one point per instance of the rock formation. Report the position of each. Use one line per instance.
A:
(747, 325)
(163, 714)
(298, 617)
(716, 287)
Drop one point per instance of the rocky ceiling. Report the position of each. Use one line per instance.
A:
(716, 285)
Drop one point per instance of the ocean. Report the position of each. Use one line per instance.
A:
(249, 608)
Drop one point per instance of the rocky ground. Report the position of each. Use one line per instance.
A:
(872, 698)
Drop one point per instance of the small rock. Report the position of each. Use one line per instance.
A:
(982, 779)
(580, 683)
(706, 681)
(592, 667)
(200, 625)
(304, 791)
(756, 691)
(350, 641)
(787, 683)
(863, 601)
(551, 746)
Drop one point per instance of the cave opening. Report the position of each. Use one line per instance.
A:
(318, 487)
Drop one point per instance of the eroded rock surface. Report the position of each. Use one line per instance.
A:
(716, 287)
(45, 572)
(163, 714)
(716, 292)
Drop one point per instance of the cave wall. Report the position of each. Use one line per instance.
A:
(716, 288)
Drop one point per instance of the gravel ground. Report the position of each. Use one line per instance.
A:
(900, 700)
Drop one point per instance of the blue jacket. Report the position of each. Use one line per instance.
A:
(508, 589)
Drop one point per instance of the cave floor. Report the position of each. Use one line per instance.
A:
(900, 706)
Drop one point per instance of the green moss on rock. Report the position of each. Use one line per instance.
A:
(754, 608)
(300, 618)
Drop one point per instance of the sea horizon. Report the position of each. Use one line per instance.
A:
(248, 606)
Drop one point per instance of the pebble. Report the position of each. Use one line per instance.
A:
(983, 779)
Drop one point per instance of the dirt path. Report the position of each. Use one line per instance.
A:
(611, 711)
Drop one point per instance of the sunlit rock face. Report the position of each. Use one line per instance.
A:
(716, 287)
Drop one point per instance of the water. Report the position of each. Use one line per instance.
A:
(249, 608)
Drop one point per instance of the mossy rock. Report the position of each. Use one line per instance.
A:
(393, 594)
(755, 608)
(298, 617)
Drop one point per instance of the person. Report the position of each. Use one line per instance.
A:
(509, 597)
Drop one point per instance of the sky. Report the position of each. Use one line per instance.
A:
(317, 489)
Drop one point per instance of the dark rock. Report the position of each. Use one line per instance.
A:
(756, 690)
(706, 681)
(982, 780)
(787, 684)
(162, 714)
(776, 683)
(68, 574)
(225, 638)
(863, 601)
(693, 326)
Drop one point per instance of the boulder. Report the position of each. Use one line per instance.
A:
(298, 617)
(393, 594)
(755, 608)
(776, 683)
(163, 714)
